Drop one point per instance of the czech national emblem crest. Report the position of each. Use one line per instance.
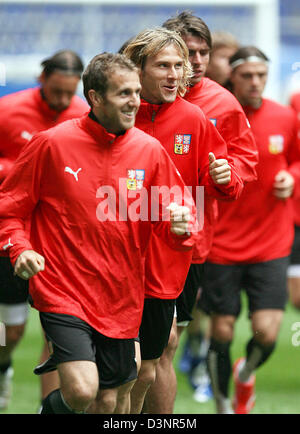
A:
(276, 144)
(135, 179)
(182, 143)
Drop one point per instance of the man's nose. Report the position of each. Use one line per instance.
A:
(172, 73)
(197, 58)
(134, 100)
(65, 100)
(255, 80)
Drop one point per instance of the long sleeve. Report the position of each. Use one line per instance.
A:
(5, 166)
(294, 158)
(170, 183)
(19, 195)
(217, 145)
(241, 145)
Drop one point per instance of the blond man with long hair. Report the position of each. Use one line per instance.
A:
(199, 153)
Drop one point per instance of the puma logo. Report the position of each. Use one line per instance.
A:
(75, 174)
(26, 135)
(9, 244)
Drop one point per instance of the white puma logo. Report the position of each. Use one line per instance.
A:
(9, 244)
(75, 174)
(26, 135)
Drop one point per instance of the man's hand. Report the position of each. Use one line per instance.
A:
(28, 264)
(219, 170)
(283, 185)
(179, 217)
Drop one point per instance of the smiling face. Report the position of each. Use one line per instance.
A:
(198, 56)
(162, 75)
(116, 111)
(249, 80)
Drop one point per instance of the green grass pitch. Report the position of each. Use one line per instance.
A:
(278, 381)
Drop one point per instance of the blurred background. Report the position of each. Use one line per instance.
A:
(30, 31)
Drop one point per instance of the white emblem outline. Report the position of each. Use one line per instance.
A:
(72, 172)
(9, 244)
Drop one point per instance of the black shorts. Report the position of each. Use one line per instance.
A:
(13, 289)
(295, 255)
(71, 339)
(155, 327)
(187, 299)
(264, 283)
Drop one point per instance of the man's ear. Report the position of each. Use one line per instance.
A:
(41, 79)
(95, 98)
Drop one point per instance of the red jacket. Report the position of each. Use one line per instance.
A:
(24, 113)
(295, 104)
(78, 183)
(259, 227)
(226, 113)
(188, 137)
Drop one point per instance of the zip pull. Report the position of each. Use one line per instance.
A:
(153, 116)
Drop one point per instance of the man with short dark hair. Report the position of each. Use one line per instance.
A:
(224, 45)
(200, 155)
(294, 267)
(87, 185)
(252, 240)
(225, 112)
(22, 115)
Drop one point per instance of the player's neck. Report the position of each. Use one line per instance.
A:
(254, 104)
(149, 100)
(257, 103)
(192, 84)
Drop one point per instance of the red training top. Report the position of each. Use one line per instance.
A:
(295, 101)
(226, 113)
(188, 137)
(259, 227)
(24, 113)
(295, 104)
(79, 183)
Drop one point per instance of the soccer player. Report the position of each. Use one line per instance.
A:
(23, 114)
(199, 154)
(294, 267)
(87, 185)
(224, 45)
(226, 113)
(295, 102)
(252, 240)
